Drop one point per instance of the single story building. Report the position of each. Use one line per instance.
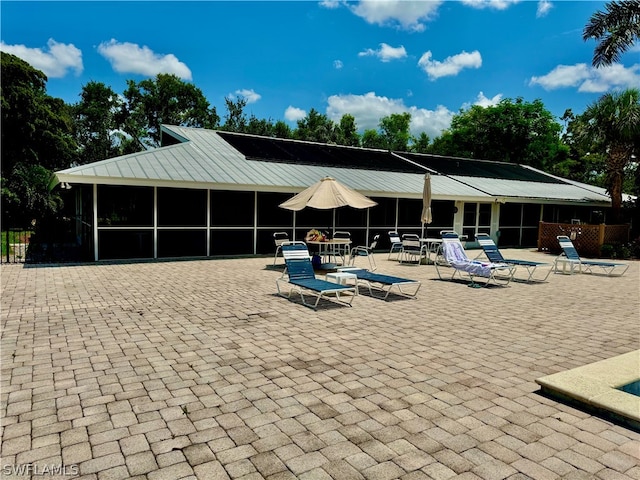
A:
(212, 193)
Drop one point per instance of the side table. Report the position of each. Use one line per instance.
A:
(342, 278)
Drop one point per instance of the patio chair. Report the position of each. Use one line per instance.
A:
(342, 250)
(396, 245)
(378, 282)
(300, 277)
(364, 251)
(412, 249)
(279, 238)
(491, 251)
(569, 257)
(451, 254)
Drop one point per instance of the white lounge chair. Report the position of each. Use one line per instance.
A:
(451, 254)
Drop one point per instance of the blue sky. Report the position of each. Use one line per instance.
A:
(366, 58)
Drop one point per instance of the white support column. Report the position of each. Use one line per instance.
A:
(495, 220)
(95, 222)
(458, 217)
(397, 210)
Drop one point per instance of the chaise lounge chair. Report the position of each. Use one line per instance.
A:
(451, 254)
(299, 275)
(379, 282)
(569, 257)
(491, 251)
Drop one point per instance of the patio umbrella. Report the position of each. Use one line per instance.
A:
(326, 194)
(426, 202)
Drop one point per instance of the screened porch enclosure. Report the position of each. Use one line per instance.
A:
(135, 222)
(158, 222)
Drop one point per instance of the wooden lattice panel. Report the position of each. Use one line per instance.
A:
(588, 239)
(616, 234)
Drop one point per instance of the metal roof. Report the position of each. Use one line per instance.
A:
(210, 159)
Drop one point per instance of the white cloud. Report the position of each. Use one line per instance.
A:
(54, 62)
(562, 76)
(249, 95)
(386, 53)
(337, 64)
(496, 4)
(432, 122)
(483, 101)
(128, 57)
(588, 79)
(405, 15)
(543, 8)
(330, 3)
(369, 108)
(293, 114)
(451, 66)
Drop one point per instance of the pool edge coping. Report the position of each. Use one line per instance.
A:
(596, 386)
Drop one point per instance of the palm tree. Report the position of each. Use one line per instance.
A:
(615, 30)
(613, 122)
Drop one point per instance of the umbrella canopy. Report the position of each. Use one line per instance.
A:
(426, 200)
(326, 194)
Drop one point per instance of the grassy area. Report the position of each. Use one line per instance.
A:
(15, 242)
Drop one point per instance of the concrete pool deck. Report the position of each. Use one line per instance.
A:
(197, 369)
(597, 387)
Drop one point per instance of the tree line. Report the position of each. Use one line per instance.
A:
(42, 134)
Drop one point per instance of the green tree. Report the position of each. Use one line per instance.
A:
(372, 139)
(347, 131)
(166, 99)
(282, 130)
(395, 131)
(584, 163)
(315, 127)
(235, 118)
(36, 140)
(420, 144)
(616, 29)
(259, 126)
(612, 124)
(97, 124)
(510, 131)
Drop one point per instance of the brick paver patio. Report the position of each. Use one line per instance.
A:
(196, 369)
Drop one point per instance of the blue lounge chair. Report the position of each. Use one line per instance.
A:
(569, 257)
(378, 282)
(451, 254)
(300, 277)
(491, 251)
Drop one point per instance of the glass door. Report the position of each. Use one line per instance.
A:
(476, 219)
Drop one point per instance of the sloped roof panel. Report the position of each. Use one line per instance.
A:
(514, 189)
(308, 153)
(479, 168)
(206, 160)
